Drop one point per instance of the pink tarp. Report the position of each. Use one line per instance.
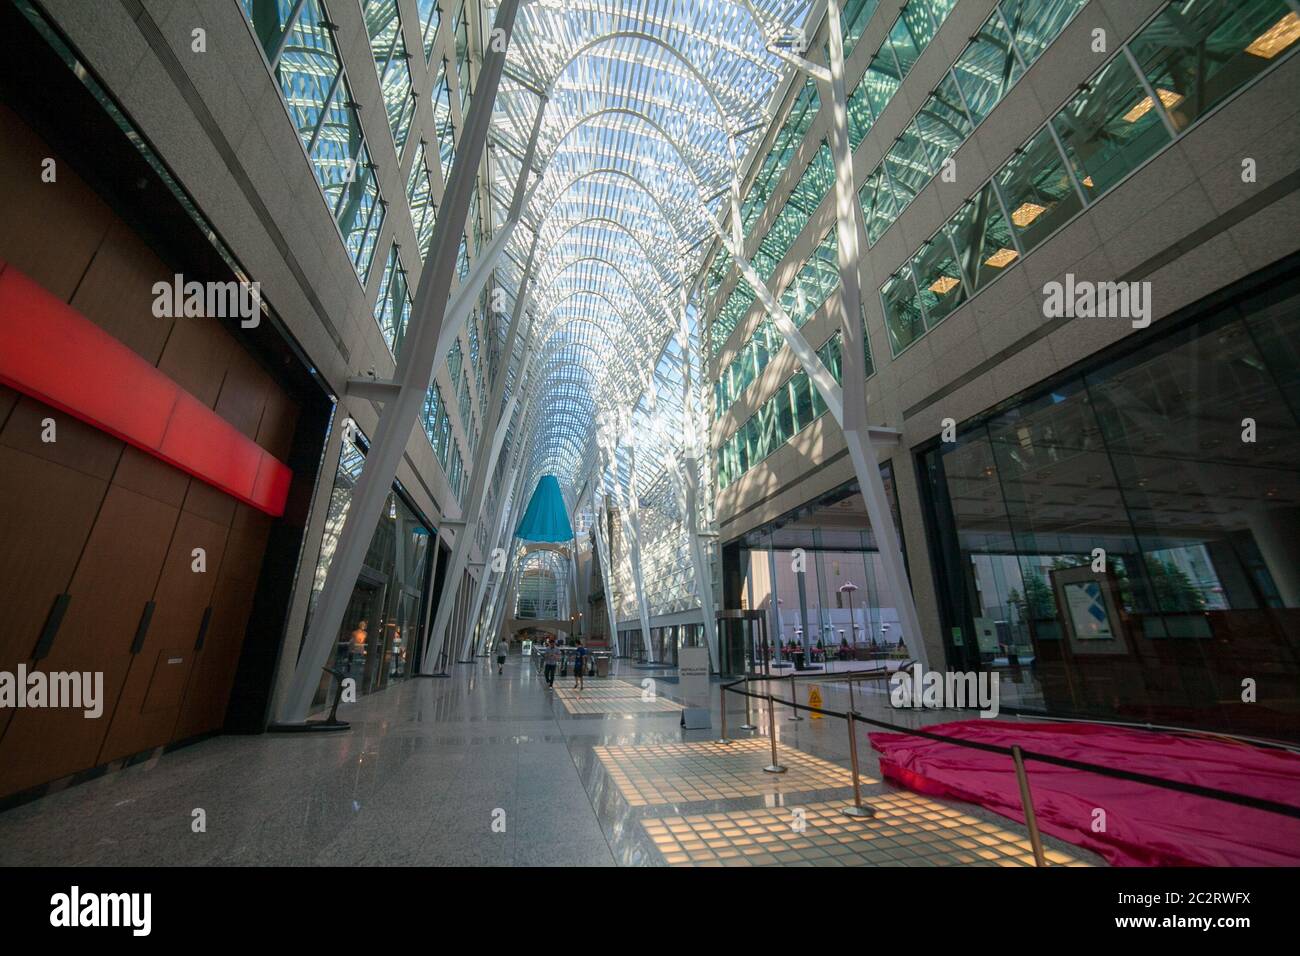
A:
(1144, 825)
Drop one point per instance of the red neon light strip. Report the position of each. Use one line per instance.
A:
(50, 351)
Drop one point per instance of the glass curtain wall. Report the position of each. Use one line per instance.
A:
(378, 640)
(1126, 543)
(817, 573)
(1189, 59)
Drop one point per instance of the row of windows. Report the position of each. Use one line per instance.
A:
(1009, 42)
(916, 26)
(788, 139)
(911, 33)
(807, 292)
(1184, 63)
(793, 407)
(803, 201)
(384, 26)
(437, 426)
(306, 64)
(298, 40)
(854, 17)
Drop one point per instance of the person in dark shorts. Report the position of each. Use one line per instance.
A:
(503, 648)
(579, 663)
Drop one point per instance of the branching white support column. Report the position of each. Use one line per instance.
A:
(607, 572)
(691, 500)
(856, 437)
(632, 518)
(491, 578)
(853, 352)
(485, 459)
(415, 367)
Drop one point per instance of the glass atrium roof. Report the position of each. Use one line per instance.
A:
(651, 105)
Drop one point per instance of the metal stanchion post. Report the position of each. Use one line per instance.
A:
(857, 810)
(853, 707)
(774, 767)
(794, 698)
(1027, 801)
(749, 717)
(722, 705)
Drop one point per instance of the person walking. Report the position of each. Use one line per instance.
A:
(503, 648)
(550, 658)
(579, 664)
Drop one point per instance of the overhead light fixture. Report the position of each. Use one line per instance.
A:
(1169, 98)
(1087, 181)
(1027, 213)
(943, 285)
(1276, 38)
(1001, 258)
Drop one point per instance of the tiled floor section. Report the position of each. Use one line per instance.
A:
(907, 830)
(610, 696)
(428, 765)
(711, 770)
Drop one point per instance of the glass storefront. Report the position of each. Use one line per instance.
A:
(1125, 542)
(380, 636)
(817, 573)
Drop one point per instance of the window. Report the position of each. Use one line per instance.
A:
(393, 307)
(987, 68)
(854, 16)
(389, 49)
(1195, 54)
(443, 123)
(1110, 128)
(801, 390)
(1116, 122)
(1036, 23)
(430, 18)
(878, 209)
(938, 279)
(983, 240)
(908, 166)
(942, 123)
(904, 314)
(316, 92)
(1037, 190)
(419, 192)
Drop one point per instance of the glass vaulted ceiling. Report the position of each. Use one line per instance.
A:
(634, 157)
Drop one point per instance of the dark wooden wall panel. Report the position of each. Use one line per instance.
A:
(214, 669)
(181, 596)
(48, 230)
(115, 578)
(117, 292)
(110, 525)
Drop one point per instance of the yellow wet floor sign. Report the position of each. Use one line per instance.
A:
(815, 700)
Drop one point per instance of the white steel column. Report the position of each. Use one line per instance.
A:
(856, 437)
(485, 459)
(415, 366)
(853, 351)
(607, 571)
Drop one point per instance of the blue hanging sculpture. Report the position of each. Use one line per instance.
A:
(546, 518)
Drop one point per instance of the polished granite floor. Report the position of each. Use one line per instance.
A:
(484, 769)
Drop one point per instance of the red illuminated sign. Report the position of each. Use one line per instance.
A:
(53, 353)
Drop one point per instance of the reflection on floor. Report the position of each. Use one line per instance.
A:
(607, 779)
(602, 695)
(687, 773)
(907, 830)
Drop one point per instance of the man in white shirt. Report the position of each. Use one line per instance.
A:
(503, 648)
